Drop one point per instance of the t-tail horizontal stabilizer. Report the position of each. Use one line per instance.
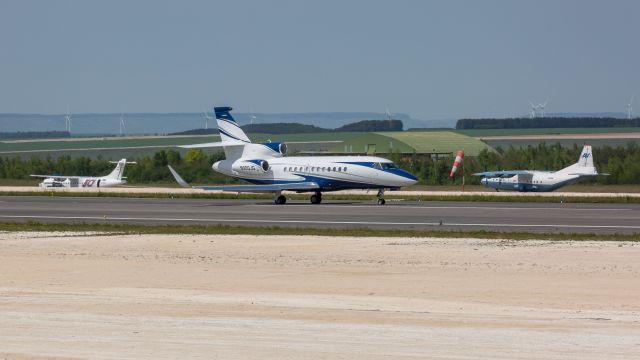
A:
(214, 144)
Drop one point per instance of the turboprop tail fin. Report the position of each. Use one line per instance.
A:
(584, 166)
(119, 170)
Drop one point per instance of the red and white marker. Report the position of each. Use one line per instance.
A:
(457, 162)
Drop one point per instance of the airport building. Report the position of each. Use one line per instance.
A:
(433, 143)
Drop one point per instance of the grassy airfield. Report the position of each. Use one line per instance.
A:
(129, 146)
(321, 142)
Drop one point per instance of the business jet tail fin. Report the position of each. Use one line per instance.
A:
(233, 139)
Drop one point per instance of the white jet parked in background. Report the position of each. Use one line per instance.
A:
(114, 178)
(268, 170)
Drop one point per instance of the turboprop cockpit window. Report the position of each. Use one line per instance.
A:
(386, 166)
(377, 166)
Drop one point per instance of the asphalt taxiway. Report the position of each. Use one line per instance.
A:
(491, 216)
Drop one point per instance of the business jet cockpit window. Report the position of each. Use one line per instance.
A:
(387, 166)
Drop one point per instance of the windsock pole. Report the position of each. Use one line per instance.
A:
(463, 176)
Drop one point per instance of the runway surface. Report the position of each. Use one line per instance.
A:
(512, 217)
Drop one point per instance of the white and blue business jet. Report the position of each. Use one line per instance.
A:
(268, 169)
(539, 181)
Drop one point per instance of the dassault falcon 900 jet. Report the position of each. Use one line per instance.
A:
(538, 181)
(268, 169)
(114, 178)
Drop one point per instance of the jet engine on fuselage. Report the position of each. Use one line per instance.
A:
(278, 147)
(265, 150)
(250, 167)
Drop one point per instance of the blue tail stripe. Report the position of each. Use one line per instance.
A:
(229, 135)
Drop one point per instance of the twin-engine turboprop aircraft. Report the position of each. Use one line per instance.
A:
(114, 178)
(268, 170)
(538, 181)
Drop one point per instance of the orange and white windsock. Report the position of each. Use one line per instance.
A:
(457, 162)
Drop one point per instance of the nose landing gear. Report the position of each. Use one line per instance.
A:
(381, 197)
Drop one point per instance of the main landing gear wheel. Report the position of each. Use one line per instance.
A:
(316, 198)
(280, 200)
(381, 202)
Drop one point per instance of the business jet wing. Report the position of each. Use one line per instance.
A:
(248, 188)
(259, 188)
(504, 173)
(213, 144)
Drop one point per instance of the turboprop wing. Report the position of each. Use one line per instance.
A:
(502, 173)
(55, 176)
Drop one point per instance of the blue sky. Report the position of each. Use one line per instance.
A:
(430, 59)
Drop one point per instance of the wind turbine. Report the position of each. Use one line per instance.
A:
(534, 110)
(67, 121)
(542, 106)
(206, 119)
(122, 127)
(630, 108)
(387, 112)
(252, 117)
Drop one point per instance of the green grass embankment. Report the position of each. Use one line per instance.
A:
(127, 229)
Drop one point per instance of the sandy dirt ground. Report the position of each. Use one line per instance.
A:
(92, 296)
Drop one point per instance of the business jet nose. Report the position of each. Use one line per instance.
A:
(408, 178)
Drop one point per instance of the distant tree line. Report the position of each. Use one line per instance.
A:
(195, 165)
(546, 122)
(210, 131)
(283, 128)
(296, 128)
(622, 163)
(372, 125)
(34, 135)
